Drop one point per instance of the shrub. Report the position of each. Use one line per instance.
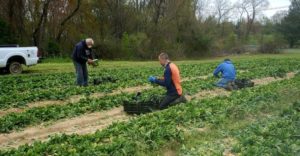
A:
(53, 48)
(133, 45)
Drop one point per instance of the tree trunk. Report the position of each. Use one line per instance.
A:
(63, 23)
(37, 32)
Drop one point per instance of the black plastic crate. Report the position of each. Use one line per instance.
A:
(141, 105)
(137, 108)
(243, 83)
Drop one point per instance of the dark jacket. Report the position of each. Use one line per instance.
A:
(227, 69)
(81, 52)
(171, 80)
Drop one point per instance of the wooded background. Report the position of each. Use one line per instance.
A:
(140, 29)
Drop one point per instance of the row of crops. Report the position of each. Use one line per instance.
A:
(21, 90)
(149, 133)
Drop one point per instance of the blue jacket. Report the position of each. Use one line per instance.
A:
(171, 80)
(81, 53)
(227, 69)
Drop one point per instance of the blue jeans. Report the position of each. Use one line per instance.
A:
(223, 82)
(81, 73)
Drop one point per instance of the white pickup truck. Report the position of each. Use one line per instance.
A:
(12, 57)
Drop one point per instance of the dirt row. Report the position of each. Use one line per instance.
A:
(89, 123)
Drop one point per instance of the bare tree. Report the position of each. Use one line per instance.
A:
(201, 11)
(223, 8)
(118, 16)
(251, 8)
(36, 35)
(64, 21)
(158, 6)
(279, 16)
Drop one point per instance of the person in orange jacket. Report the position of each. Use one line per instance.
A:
(171, 81)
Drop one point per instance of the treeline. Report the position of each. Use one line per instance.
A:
(140, 29)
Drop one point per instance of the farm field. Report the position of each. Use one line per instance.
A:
(44, 113)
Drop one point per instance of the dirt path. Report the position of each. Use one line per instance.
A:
(80, 125)
(209, 93)
(267, 80)
(89, 123)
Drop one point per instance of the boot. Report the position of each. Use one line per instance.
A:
(229, 86)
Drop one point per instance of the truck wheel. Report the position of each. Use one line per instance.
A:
(15, 68)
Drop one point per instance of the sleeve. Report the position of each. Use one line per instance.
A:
(167, 80)
(218, 70)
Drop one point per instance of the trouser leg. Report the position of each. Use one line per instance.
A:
(223, 83)
(79, 73)
(85, 74)
(167, 101)
(226, 84)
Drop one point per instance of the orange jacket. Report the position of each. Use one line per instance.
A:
(171, 80)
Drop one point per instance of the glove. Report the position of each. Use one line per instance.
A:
(152, 79)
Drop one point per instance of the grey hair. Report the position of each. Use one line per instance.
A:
(89, 40)
(164, 56)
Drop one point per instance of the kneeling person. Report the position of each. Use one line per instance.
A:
(171, 81)
(228, 72)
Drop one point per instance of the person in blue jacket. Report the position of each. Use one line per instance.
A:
(82, 54)
(228, 73)
(171, 81)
